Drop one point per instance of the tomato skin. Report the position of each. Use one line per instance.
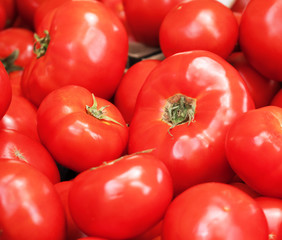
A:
(259, 131)
(261, 89)
(201, 25)
(277, 99)
(122, 199)
(144, 18)
(76, 139)
(5, 91)
(102, 45)
(261, 36)
(195, 152)
(30, 207)
(214, 211)
(130, 85)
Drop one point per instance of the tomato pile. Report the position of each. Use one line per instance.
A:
(140, 120)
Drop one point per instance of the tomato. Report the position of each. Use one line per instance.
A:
(3, 16)
(9, 7)
(199, 25)
(15, 79)
(261, 89)
(144, 18)
(78, 134)
(29, 205)
(254, 142)
(272, 208)
(73, 232)
(95, 60)
(121, 199)
(261, 36)
(277, 99)
(214, 211)
(207, 94)
(14, 118)
(130, 85)
(154, 233)
(5, 91)
(14, 145)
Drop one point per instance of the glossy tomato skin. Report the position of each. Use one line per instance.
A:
(194, 152)
(214, 211)
(85, 60)
(76, 139)
(130, 85)
(5, 91)
(254, 142)
(122, 199)
(30, 207)
(261, 36)
(199, 25)
(261, 89)
(14, 145)
(145, 17)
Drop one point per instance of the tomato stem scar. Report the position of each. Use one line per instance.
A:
(41, 44)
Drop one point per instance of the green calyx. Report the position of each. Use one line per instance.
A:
(41, 44)
(9, 62)
(100, 113)
(179, 109)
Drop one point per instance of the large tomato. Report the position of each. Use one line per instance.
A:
(199, 25)
(79, 131)
(214, 211)
(29, 205)
(184, 110)
(86, 45)
(145, 17)
(261, 36)
(5, 91)
(253, 149)
(121, 199)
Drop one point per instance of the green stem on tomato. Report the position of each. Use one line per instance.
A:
(9, 62)
(41, 44)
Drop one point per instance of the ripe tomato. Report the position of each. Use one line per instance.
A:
(184, 110)
(277, 99)
(77, 135)
(261, 89)
(132, 80)
(254, 142)
(5, 90)
(261, 36)
(14, 145)
(15, 79)
(87, 46)
(29, 205)
(214, 211)
(121, 199)
(199, 25)
(144, 18)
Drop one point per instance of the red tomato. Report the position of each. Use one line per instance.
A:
(199, 25)
(77, 135)
(277, 99)
(254, 142)
(245, 188)
(154, 233)
(130, 85)
(73, 232)
(3, 16)
(14, 145)
(15, 79)
(9, 7)
(214, 211)
(121, 199)
(144, 18)
(272, 208)
(5, 90)
(90, 46)
(29, 205)
(261, 89)
(184, 110)
(261, 37)
(16, 39)
(14, 118)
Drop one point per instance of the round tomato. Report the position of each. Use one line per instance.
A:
(214, 211)
(121, 199)
(29, 205)
(199, 25)
(86, 45)
(184, 110)
(261, 36)
(253, 149)
(5, 91)
(80, 130)
(144, 18)
(130, 85)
